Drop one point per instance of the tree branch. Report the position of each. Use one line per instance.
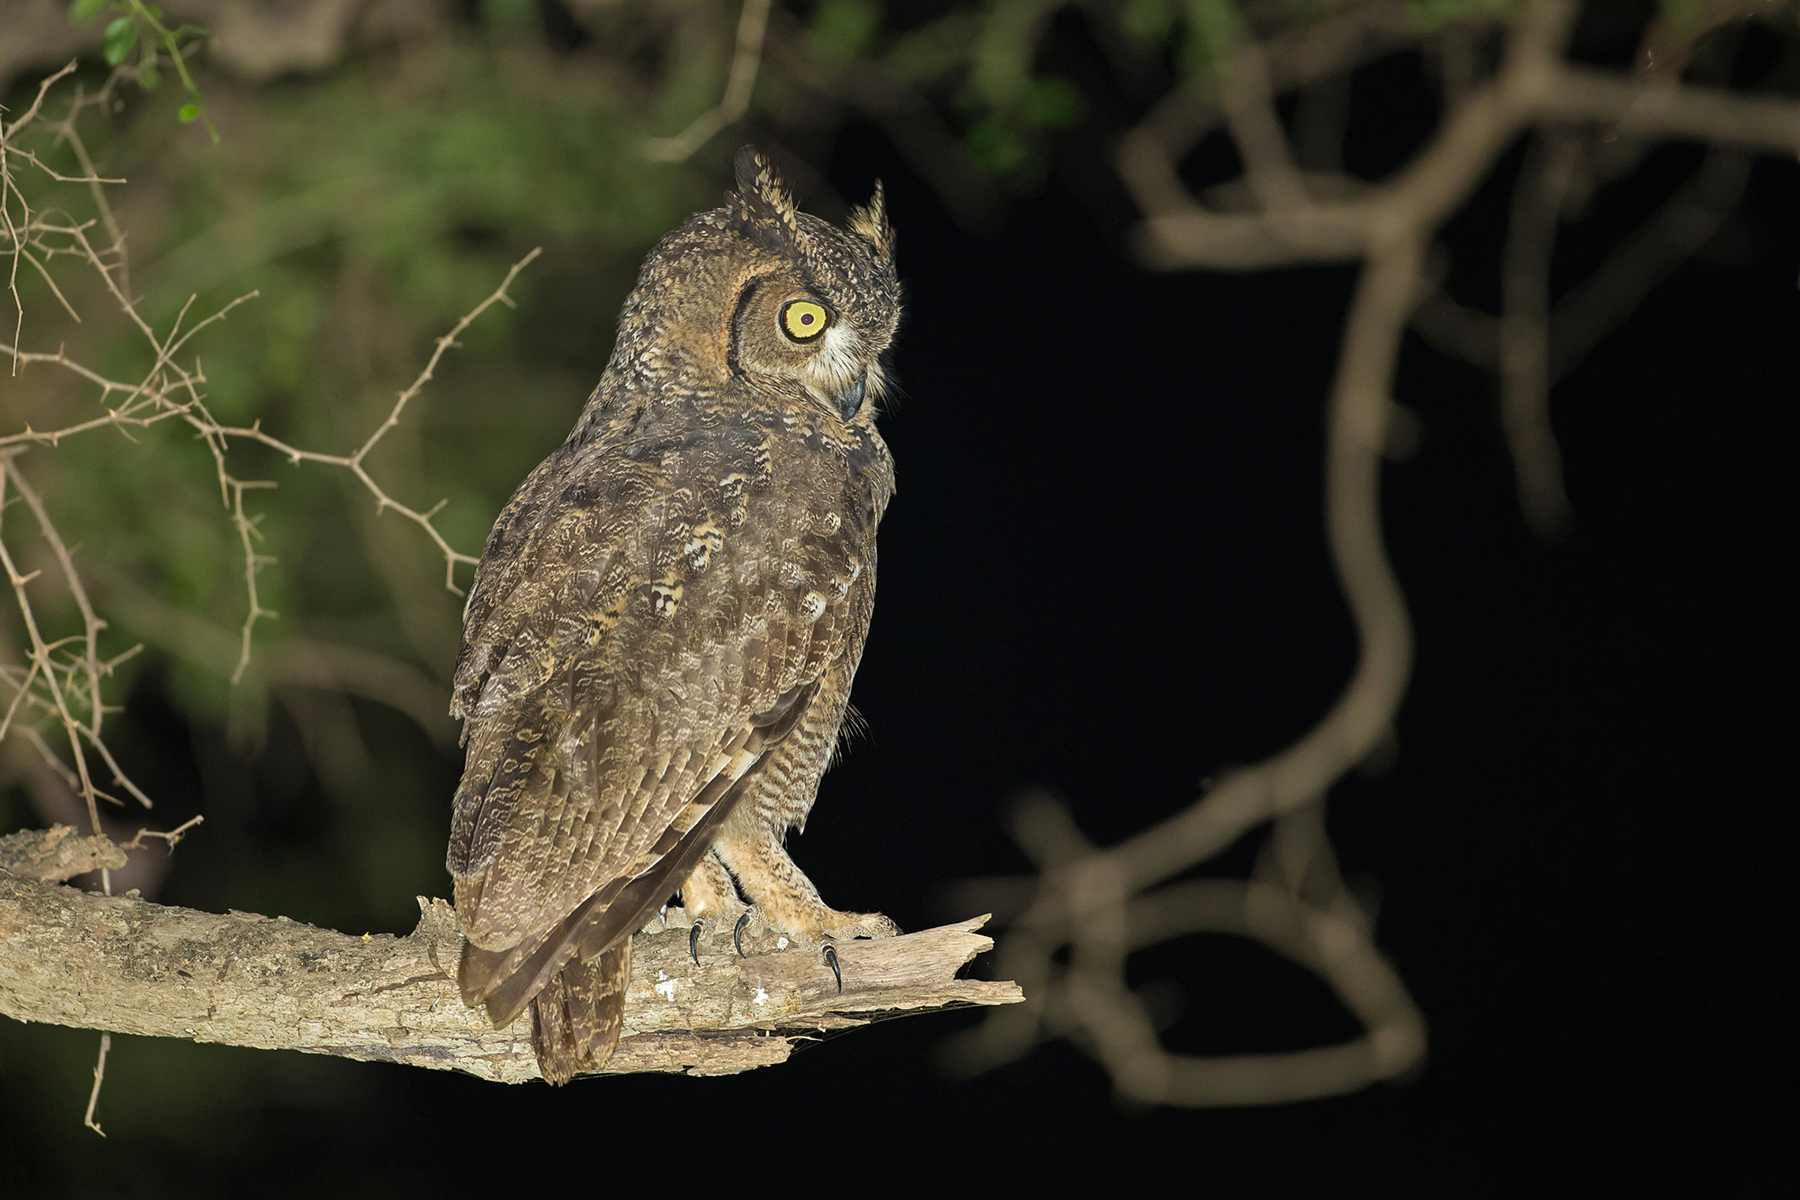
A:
(1533, 87)
(121, 964)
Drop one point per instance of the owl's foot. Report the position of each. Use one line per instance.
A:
(706, 922)
(843, 925)
(710, 897)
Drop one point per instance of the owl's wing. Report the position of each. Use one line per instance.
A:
(635, 657)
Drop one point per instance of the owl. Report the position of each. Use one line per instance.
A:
(658, 648)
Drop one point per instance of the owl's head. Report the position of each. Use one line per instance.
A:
(761, 291)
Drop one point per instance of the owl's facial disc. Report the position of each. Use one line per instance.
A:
(798, 334)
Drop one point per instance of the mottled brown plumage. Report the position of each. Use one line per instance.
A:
(658, 649)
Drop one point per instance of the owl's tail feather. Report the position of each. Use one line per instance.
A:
(575, 1020)
(563, 974)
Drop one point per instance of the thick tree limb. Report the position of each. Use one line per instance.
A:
(121, 964)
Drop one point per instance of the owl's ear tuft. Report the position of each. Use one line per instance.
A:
(762, 200)
(870, 223)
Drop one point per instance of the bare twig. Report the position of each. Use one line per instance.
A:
(1600, 303)
(1249, 104)
(168, 390)
(171, 838)
(1538, 200)
(87, 1118)
(752, 26)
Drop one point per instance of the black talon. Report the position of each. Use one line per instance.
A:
(694, 941)
(737, 933)
(832, 962)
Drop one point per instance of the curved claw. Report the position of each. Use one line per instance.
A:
(737, 933)
(832, 962)
(694, 941)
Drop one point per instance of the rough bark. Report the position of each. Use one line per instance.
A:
(58, 853)
(122, 964)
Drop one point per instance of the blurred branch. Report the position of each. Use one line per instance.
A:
(1538, 200)
(1089, 908)
(120, 964)
(908, 118)
(294, 661)
(1603, 301)
(752, 26)
(1531, 87)
(1085, 896)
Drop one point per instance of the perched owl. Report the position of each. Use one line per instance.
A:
(658, 648)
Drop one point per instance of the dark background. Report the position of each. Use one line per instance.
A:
(1105, 575)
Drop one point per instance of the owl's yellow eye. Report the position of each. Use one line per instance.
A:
(804, 320)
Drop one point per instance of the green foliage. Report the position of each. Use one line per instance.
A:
(1148, 20)
(1214, 27)
(842, 29)
(1428, 16)
(1053, 102)
(121, 37)
(139, 27)
(509, 14)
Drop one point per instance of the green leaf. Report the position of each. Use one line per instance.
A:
(508, 14)
(844, 28)
(995, 146)
(187, 113)
(1053, 102)
(121, 36)
(1214, 28)
(1150, 20)
(85, 10)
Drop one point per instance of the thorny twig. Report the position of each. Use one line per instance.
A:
(62, 679)
(64, 688)
(169, 390)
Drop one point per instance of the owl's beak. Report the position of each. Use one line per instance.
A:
(850, 400)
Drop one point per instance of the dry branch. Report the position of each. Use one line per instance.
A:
(55, 854)
(121, 964)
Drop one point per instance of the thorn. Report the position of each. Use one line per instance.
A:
(737, 933)
(832, 962)
(694, 941)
